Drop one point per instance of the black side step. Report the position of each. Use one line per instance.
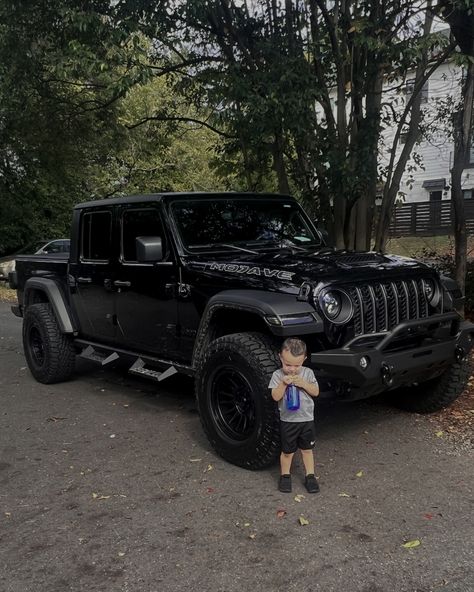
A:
(89, 353)
(139, 368)
(142, 364)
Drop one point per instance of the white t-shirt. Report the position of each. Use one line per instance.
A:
(306, 410)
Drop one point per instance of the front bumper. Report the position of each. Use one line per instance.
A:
(372, 363)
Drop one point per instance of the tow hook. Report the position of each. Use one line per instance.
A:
(459, 353)
(387, 376)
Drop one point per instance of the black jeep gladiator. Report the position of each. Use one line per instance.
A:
(210, 285)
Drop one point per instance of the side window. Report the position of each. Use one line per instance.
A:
(52, 248)
(96, 236)
(139, 222)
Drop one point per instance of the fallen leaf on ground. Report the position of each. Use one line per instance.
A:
(359, 474)
(252, 536)
(303, 521)
(195, 459)
(281, 513)
(100, 497)
(411, 544)
(120, 554)
(439, 434)
(299, 498)
(210, 490)
(343, 494)
(428, 516)
(209, 468)
(246, 523)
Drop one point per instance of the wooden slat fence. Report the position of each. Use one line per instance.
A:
(428, 218)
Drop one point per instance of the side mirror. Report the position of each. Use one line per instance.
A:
(149, 249)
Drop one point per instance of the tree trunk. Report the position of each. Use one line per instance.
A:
(395, 173)
(462, 145)
(279, 165)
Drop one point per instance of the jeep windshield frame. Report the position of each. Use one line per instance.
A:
(229, 223)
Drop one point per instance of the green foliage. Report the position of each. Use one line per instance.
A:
(74, 79)
(445, 264)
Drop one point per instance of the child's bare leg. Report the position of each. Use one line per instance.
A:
(308, 461)
(285, 462)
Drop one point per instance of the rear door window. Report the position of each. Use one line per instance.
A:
(96, 237)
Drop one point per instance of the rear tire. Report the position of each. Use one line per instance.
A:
(236, 408)
(437, 393)
(49, 353)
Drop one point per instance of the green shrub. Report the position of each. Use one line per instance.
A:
(444, 263)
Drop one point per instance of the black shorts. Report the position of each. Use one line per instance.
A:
(297, 434)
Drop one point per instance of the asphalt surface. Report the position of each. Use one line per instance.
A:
(108, 484)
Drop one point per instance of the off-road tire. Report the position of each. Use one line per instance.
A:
(49, 353)
(437, 393)
(231, 389)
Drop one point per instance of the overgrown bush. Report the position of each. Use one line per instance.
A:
(444, 263)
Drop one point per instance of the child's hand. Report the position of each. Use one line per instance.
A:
(288, 379)
(298, 381)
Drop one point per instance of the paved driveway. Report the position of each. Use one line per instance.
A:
(108, 485)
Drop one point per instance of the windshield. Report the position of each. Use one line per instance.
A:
(230, 223)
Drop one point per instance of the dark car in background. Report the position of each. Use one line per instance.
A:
(40, 247)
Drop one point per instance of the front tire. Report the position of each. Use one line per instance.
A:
(235, 405)
(437, 393)
(49, 353)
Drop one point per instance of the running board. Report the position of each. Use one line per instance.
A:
(89, 353)
(139, 368)
(102, 353)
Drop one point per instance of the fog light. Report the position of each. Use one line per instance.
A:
(386, 371)
(364, 362)
(459, 354)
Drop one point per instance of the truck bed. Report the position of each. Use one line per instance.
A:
(54, 266)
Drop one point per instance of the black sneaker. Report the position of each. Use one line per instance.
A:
(312, 486)
(285, 484)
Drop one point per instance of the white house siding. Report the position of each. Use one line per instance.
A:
(436, 152)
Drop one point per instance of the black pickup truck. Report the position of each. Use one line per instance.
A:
(210, 285)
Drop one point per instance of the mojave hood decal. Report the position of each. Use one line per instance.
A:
(250, 270)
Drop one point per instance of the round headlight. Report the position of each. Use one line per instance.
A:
(331, 304)
(429, 288)
(336, 305)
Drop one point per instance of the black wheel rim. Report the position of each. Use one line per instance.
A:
(36, 346)
(232, 404)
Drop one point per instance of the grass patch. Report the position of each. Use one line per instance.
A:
(6, 294)
(413, 246)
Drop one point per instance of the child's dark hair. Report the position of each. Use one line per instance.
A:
(295, 346)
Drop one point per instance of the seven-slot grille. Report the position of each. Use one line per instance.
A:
(382, 306)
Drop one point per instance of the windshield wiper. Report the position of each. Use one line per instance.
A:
(283, 244)
(228, 246)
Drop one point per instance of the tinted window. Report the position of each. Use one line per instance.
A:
(202, 223)
(54, 247)
(96, 236)
(135, 223)
(51, 248)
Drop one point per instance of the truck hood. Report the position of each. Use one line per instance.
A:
(286, 270)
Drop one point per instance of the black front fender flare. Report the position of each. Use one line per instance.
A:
(283, 314)
(54, 296)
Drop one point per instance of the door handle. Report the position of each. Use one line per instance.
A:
(122, 284)
(84, 280)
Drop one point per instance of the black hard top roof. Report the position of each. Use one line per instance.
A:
(150, 197)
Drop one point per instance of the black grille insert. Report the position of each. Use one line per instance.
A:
(382, 306)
